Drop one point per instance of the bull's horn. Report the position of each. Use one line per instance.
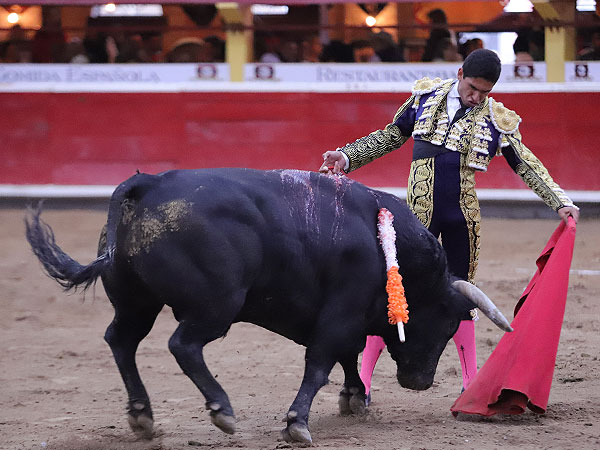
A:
(483, 302)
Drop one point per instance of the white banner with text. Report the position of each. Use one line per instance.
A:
(112, 73)
(380, 72)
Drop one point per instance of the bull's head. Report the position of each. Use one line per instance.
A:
(431, 325)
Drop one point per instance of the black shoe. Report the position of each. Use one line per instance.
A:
(368, 399)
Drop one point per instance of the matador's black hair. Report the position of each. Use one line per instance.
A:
(482, 63)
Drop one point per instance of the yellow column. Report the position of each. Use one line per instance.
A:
(238, 46)
(560, 41)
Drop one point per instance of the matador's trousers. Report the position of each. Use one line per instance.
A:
(441, 193)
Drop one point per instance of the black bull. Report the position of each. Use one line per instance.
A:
(294, 252)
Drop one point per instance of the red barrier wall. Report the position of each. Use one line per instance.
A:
(102, 138)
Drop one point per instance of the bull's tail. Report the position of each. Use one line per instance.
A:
(57, 264)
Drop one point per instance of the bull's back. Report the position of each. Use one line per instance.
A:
(293, 218)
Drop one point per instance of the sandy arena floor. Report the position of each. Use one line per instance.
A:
(60, 389)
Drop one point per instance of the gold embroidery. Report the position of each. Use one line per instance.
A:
(469, 205)
(538, 186)
(420, 189)
(426, 85)
(434, 111)
(504, 119)
(536, 176)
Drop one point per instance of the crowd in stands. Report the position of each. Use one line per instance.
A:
(378, 47)
(591, 52)
(50, 44)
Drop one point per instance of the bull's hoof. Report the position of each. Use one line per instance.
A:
(142, 425)
(344, 404)
(352, 402)
(358, 404)
(296, 433)
(224, 422)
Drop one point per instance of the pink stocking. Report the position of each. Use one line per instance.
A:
(373, 349)
(467, 350)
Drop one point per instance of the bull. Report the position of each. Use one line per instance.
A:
(294, 252)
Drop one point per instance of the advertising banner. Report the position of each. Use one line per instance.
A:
(42, 75)
(380, 72)
(579, 71)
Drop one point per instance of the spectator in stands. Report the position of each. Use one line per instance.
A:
(16, 48)
(311, 49)
(186, 50)
(337, 51)
(446, 51)
(75, 52)
(439, 31)
(363, 52)
(214, 49)
(131, 50)
(521, 49)
(152, 47)
(537, 44)
(270, 53)
(289, 51)
(469, 46)
(591, 53)
(49, 41)
(95, 44)
(386, 48)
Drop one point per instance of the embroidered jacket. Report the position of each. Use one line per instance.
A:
(486, 130)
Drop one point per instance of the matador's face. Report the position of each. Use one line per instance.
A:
(473, 91)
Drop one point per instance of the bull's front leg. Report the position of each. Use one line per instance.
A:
(316, 372)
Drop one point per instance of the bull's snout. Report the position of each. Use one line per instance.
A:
(416, 382)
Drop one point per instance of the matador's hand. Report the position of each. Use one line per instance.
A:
(569, 211)
(333, 162)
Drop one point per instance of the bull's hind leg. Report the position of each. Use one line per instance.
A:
(123, 335)
(187, 344)
(352, 397)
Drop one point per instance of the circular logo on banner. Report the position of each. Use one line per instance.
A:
(207, 71)
(264, 72)
(581, 70)
(524, 71)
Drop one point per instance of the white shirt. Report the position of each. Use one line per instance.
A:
(452, 106)
(453, 101)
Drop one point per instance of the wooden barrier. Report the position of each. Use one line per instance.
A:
(103, 138)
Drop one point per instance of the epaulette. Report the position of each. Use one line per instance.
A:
(426, 85)
(505, 120)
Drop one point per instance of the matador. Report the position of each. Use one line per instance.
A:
(457, 129)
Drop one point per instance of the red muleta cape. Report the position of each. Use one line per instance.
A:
(518, 373)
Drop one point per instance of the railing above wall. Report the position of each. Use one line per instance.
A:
(180, 2)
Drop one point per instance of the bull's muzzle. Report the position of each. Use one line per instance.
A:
(416, 382)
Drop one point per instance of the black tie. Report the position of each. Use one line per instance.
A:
(461, 111)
